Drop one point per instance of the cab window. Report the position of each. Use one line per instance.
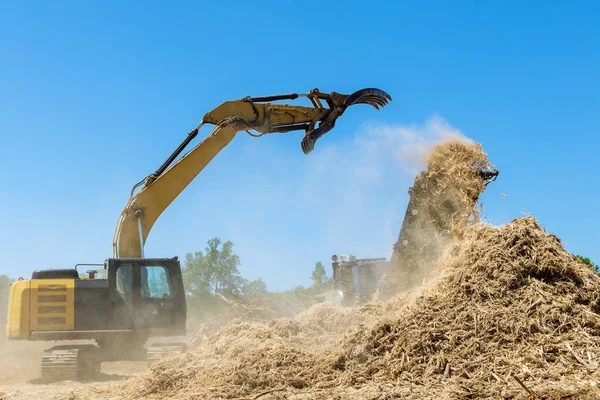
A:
(155, 282)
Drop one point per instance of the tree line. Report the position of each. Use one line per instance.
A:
(214, 273)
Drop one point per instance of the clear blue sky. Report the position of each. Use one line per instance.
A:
(93, 97)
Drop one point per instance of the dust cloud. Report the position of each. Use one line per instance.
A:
(443, 199)
(366, 183)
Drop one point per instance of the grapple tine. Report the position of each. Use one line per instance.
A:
(338, 103)
(374, 102)
(381, 101)
(308, 144)
(371, 96)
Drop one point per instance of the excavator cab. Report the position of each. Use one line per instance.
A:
(149, 292)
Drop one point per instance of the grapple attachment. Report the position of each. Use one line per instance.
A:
(338, 103)
(373, 97)
(261, 115)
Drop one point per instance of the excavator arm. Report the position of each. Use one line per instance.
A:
(258, 114)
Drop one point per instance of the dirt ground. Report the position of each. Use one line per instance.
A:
(20, 373)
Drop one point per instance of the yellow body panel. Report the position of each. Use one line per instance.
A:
(17, 322)
(52, 305)
(262, 117)
(155, 198)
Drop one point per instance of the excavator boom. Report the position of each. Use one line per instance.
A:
(248, 114)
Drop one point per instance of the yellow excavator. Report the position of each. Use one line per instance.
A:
(138, 298)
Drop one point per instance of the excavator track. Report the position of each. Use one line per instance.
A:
(69, 363)
(158, 351)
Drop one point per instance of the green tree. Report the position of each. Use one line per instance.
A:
(299, 289)
(253, 289)
(210, 272)
(214, 271)
(319, 276)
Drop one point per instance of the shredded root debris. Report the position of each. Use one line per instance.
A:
(511, 314)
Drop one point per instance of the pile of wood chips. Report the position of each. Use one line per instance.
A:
(510, 314)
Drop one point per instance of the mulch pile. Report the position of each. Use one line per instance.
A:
(511, 314)
(514, 315)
